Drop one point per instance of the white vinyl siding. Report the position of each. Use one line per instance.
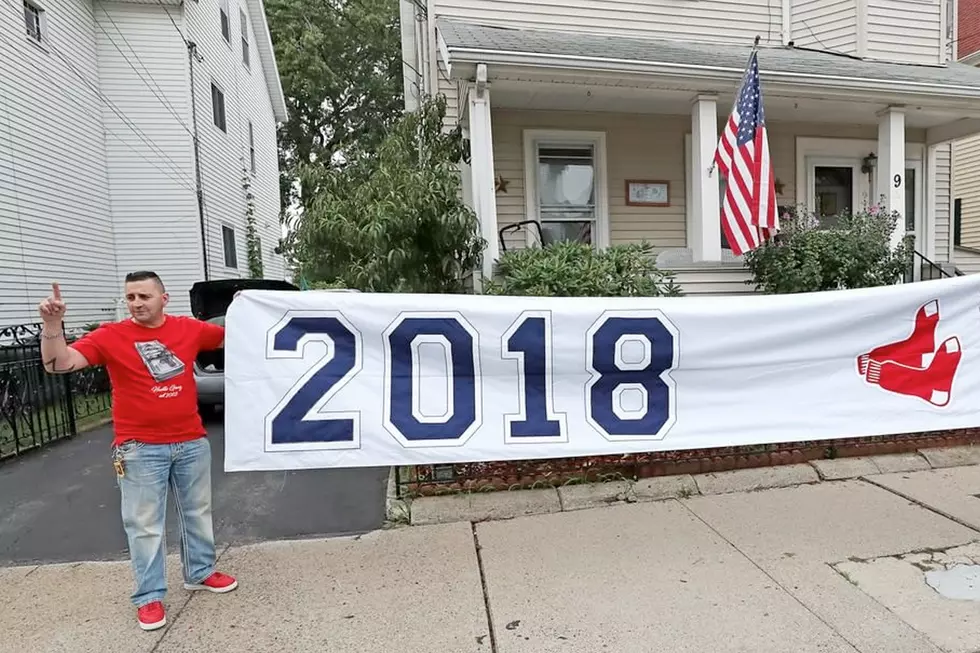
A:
(91, 189)
(826, 25)
(55, 216)
(143, 72)
(225, 155)
(907, 31)
(709, 21)
(652, 147)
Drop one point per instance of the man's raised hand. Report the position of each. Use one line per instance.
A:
(53, 308)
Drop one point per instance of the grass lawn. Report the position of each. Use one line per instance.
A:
(51, 423)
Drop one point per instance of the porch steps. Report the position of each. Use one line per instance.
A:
(708, 280)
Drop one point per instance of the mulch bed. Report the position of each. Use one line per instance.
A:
(524, 474)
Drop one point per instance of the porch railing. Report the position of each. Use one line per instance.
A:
(37, 408)
(929, 269)
(517, 226)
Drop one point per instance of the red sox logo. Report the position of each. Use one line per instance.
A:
(915, 367)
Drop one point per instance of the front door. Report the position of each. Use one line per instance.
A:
(836, 187)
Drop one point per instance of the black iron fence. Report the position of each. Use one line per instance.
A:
(37, 408)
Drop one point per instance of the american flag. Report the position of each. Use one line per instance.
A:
(748, 212)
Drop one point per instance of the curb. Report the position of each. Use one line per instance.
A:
(488, 506)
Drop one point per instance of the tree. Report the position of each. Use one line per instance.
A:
(856, 253)
(341, 69)
(394, 221)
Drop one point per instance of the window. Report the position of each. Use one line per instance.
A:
(231, 251)
(957, 221)
(910, 200)
(244, 24)
(225, 25)
(251, 146)
(833, 193)
(565, 177)
(218, 108)
(566, 192)
(34, 21)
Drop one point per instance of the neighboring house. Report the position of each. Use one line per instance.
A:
(966, 154)
(98, 169)
(600, 117)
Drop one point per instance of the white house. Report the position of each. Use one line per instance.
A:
(99, 105)
(600, 118)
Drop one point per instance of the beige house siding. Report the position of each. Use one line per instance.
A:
(966, 187)
(826, 24)
(707, 21)
(652, 147)
(450, 90)
(968, 260)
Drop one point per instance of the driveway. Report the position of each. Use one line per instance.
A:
(61, 504)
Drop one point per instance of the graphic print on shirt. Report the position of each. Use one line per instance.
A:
(161, 363)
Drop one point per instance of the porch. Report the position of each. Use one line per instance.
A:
(617, 156)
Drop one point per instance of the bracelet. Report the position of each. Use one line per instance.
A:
(55, 336)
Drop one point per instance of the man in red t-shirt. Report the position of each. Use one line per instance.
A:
(159, 436)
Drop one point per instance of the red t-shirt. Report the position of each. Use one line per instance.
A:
(154, 396)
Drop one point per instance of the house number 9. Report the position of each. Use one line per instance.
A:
(898, 181)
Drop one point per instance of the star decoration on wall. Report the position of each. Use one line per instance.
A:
(779, 186)
(500, 184)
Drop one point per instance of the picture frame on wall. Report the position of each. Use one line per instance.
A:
(647, 192)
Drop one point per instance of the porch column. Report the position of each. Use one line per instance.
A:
(891, 166)
(481, 167)
(705, 232)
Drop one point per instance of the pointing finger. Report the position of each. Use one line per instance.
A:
(56, 290)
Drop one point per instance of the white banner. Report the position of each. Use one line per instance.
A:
(319, 379)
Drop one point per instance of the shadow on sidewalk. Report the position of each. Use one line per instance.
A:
(61, 504)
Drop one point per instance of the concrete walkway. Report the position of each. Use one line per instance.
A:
(837, 566)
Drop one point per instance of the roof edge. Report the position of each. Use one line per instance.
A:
(469, 55)
(267, 54)
(972, 59)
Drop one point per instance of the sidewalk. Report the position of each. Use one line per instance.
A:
(830, 567)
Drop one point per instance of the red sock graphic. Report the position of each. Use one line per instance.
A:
(910, 351)
(931, 384)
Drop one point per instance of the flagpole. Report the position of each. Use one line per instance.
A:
(755, 48)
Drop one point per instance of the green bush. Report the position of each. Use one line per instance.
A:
(569, 269)
(856, 253)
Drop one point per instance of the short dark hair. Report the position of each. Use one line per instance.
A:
(144, 275)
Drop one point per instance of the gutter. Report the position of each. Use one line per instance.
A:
(718, 73)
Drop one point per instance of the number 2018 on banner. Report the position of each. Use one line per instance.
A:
(303, 418)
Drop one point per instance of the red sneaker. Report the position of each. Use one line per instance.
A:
(217, 582)
(151, 616)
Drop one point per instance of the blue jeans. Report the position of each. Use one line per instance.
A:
(148, 471)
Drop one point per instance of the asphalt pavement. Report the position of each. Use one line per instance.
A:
(61, 504)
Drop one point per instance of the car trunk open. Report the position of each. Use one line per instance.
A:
(210, 301)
